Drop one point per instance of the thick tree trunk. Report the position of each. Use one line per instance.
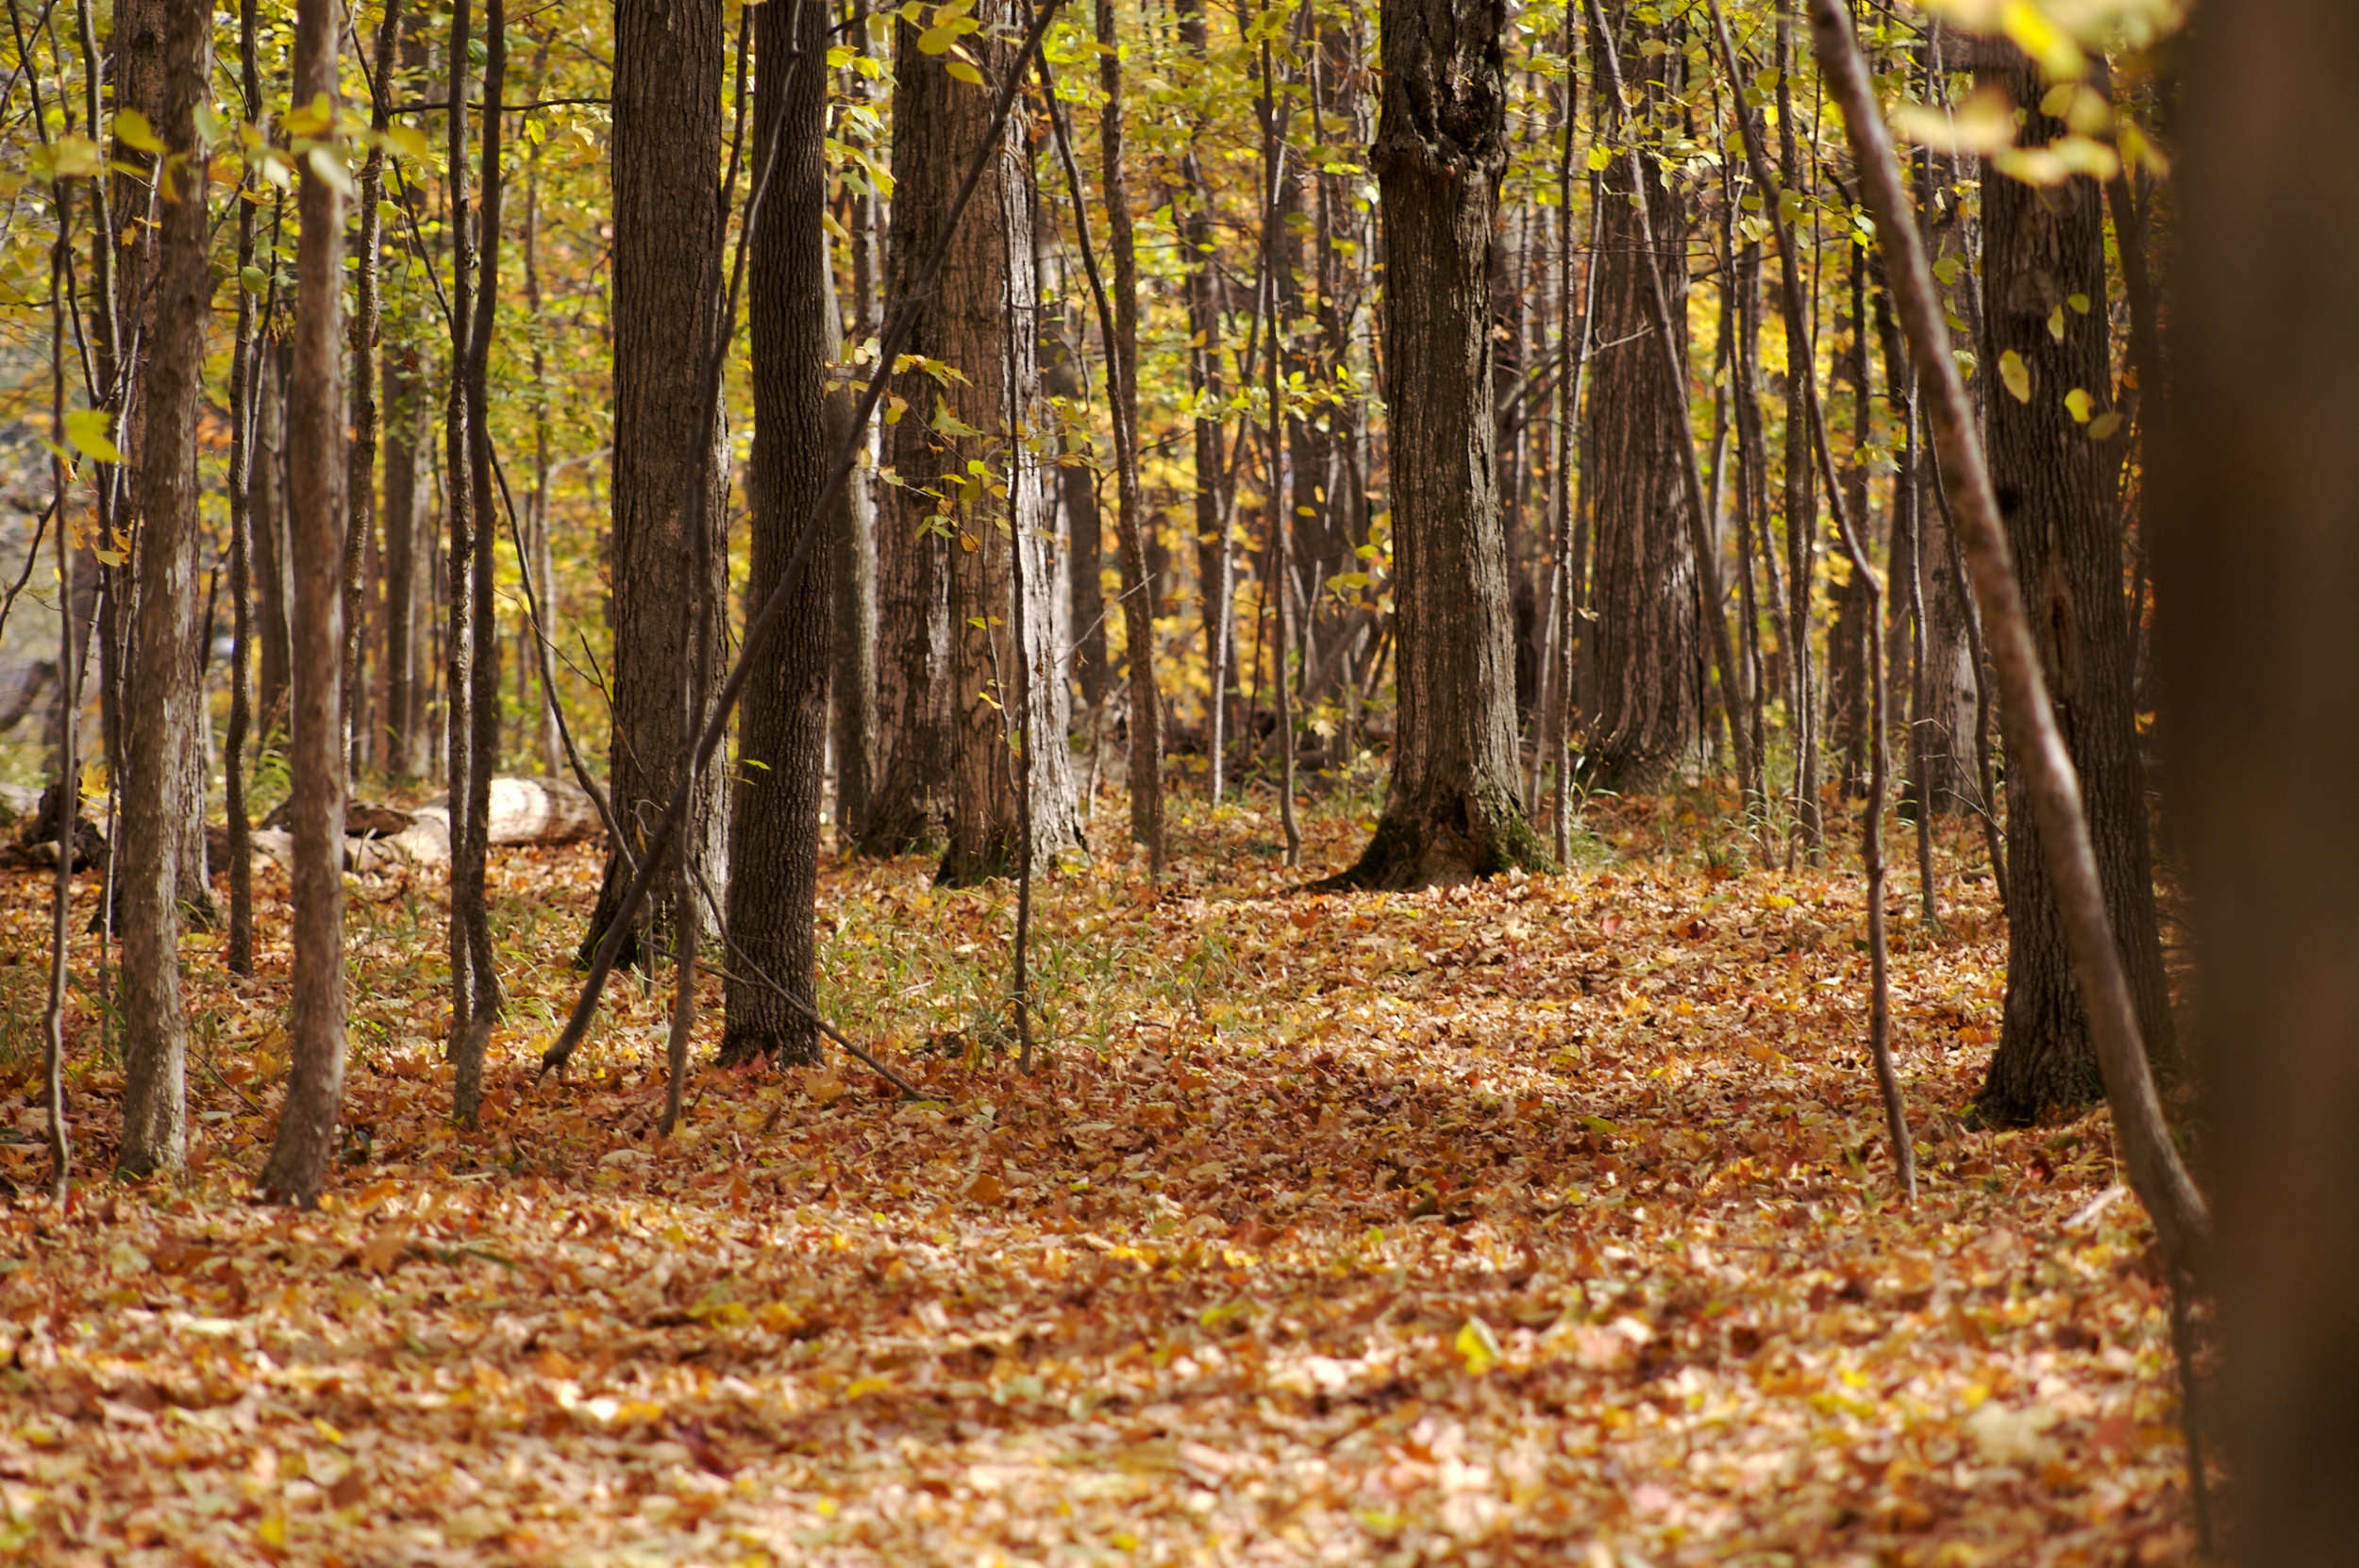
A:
(910, 809)
(782, 723)
(2257, 567)
(306, 1144)
(164, 712)
(982, 321)
(2043, 247)
(1645, 715)
(1453, 809)
(668, 75)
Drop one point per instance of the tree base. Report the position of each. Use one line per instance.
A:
(1456, 837)
(786, 1047)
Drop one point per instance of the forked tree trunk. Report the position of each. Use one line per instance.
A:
(782, 723)
(1453, 810)
(2041, 248)
(982, 320)
(668, 75)
(163, 711)
(306, 1144)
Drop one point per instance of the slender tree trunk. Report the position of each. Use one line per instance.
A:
(2042, 246)
(1122, 375)
(669, 71)
(1802, 502)
(274, 653)
(360, 456)
(244, 368)
(1453, 811)
(1214, 564)
(165, 693)
(852, 567)
(460, 652)
(1846, 639)
(468, 863)
(305, 1145)
(783, 721)
(405, 662)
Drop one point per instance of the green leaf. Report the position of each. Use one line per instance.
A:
(961, 70)
(2105, 425)
(133, 130)
(2016, 375)
(935, 41)
(1601, 156)
(90, 431)
(2056, 324)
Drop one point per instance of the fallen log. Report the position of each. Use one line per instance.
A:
(382, 838)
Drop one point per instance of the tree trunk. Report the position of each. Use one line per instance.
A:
(360, 456)
(1645, 714)
(273, 655)
(405, 662)
(1214, 565)
(852, 548)
(782, 721)
(1453, 811)
(2256, 568)
(164, 697)
(1131, 522)
(468, 864)
(982, 320)
(305, 1145)
(910, 809)
(1846, 639)
(2041, 248)
(668, 75)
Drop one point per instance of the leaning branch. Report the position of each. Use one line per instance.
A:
(2034, 745)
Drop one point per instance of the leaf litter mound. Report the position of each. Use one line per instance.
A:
(1543, 1221)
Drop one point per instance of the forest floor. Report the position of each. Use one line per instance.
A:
(1546, 1221)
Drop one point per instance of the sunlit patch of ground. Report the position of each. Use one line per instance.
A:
(1547, 1222)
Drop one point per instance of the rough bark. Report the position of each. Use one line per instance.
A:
(669, 71)
(1453, 809)
(1214, 565)
(2041, 247)
(306, 1144)
(1645, 717)
(164, 714)
(2256, 568)
(910, 809)
(782, 723)
(982, 320)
